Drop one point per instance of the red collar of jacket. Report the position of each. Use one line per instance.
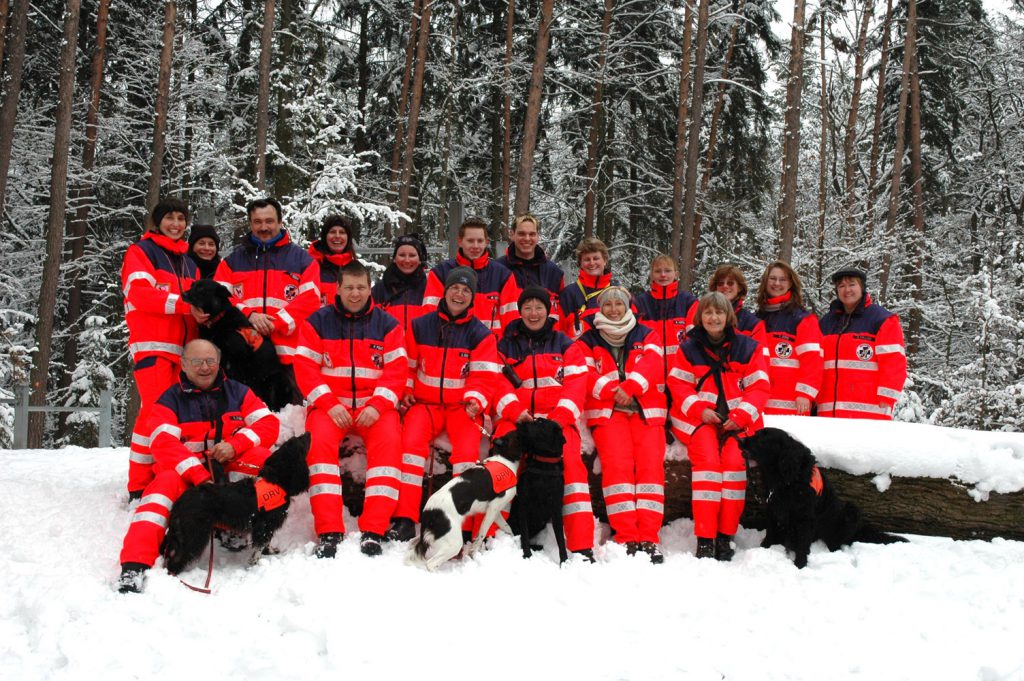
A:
(777, 303)
(447, 317)
(600, 281)
(178, 247)
(339, 259)
(737, 305)
(477, 264)
(664, 292)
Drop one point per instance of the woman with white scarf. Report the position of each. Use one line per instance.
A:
(626, 413)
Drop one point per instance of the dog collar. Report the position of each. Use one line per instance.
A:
(546, 459)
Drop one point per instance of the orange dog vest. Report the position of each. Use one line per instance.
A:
(502, 477)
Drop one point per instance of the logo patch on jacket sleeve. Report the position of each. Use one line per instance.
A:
(290, 291)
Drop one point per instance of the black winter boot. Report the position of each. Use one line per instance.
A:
(632, 547)
(723, 548)
(328, 546)
(133, 576)
(654, 551)
(369, 545)
(705, 547)
(402, 529)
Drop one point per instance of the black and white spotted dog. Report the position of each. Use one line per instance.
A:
(487, 488)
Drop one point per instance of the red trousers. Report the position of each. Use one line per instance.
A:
(632, 455)
(149, 522)
(577, 512)
(383, 442)
(719, 482)
(152, 378)
(423, 423)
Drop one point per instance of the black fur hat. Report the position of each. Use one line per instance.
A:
(461, 275)
(165, 206)
(414, 240)
(203, 232)
(535, 293)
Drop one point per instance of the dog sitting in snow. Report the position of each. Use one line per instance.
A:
(487, 488)
(246, 356)
(258, 504)
(541, 488)
(803, 507)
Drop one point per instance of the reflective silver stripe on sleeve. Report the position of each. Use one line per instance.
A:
(194, 446)
(325, 468)
(325, 488)
(508, 308)
(650, 505)
(309, 286)
(487, 367)
(388, 395)
(706, 495)
(787, 363)
(412, 479)
(414, 460)
(156, 499)
(382, 491)
(150, 346)
(574, 370)
(577, 507)
(650, 488)
(284, 350)
(140, 458)
(808, 347)
(383, 472)
(682, 375)
(600, 383)
(253, 437)
(640, 379)
(651, 347)
(394, 354)
(683, 426)
(303, 351)
(479, 397)
(148, 517)
(656, 413)
(569, 405)
(734, 476)
(734, 494)
(890, 349)
(781, 404)
(689, 402)
(171, 303)
(706, 476)
(807, 389)
(576, 488)
(752, 378)
(622, 507)
(318, 392)
(889, 392)
(504, 402)
(750, 409)
(621, 488)
(134, 276)
(256, 414)
(185, 464)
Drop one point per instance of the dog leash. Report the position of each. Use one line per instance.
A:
(205, 588)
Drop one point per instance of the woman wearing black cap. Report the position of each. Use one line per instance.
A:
(400, 290)
(865, 358)
(204, 249)
(546, 377)
(333, 250)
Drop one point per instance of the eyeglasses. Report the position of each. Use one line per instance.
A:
(196, 363)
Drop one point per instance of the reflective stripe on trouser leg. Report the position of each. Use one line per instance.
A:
(422, 424)
(577, 512)
(734, 486)
(325, 498)
(649, 445)
(706, 481)
(614, 445)
(149, 521)
(151, 382)
(383, 471)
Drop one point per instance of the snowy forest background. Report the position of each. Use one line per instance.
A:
(889, 132)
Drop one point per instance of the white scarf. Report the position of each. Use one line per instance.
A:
(614, 333)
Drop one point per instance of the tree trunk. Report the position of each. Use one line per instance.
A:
(791, 136)
(5, 7)
(263, 96)
(400, 107)
(876, 132)
(414, 111)
(55, 221)
(447, 116)
(897, 158)
(849, 158)
(716, 116)
(917, 245)
(506, 149)
(689, 248)
(83, 196)
(679, 161)
(156, 163)
(596, 121)
(532, 122)
(363, 66)
(822, 159)
(12, 81)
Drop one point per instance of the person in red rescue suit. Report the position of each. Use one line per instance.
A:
(333, 250)
(626, 413)
(352, 366)
(156, 272)
(794, 341)
(730, 282)
(865, 357)
(205, 420)
(530, 265)
(400, 290)
(494, 303)
(546, 377)
(719, 384)
(273, 282)
(455, 369)
(579, 299)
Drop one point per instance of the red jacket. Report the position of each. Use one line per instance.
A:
(668, 311)
(579, 302)
(452, 360)
(279, 279)
(794, 355)
(185, 423)
(356, 359)
(732, 379)
(747, 323)
(330, 265)
(156, 272)
(639, 377)
(401, 296)
(865, 362)
(497, 296)
(537, 271)
(552, 372)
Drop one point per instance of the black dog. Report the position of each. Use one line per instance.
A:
(803, 507)
(247, 504)
(541, 484)
(246, 356)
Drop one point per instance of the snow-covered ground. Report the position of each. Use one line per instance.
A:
(929, 609)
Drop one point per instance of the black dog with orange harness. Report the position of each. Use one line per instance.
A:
(258, 504)
(246, 356)
(540, 490)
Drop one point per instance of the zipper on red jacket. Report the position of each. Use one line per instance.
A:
(533, 393)
(839, 337)
(266, 258)
(444, 360)
(352, 359)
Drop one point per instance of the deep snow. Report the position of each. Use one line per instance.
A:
(929, 609)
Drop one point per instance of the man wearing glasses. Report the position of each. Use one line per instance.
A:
(206, 426)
